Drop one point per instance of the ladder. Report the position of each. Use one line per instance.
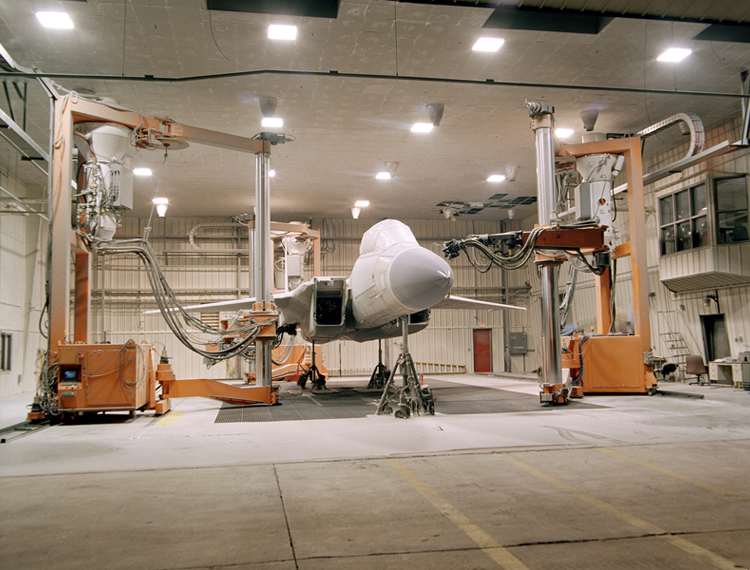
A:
(677, 347)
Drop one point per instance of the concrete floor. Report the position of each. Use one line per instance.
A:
(637, 482)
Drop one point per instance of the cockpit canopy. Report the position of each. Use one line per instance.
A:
(384, 234)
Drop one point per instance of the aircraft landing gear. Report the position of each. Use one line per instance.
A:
(411, 395)
(317, 380)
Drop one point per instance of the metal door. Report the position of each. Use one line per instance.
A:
(482, 350)
(715, 337)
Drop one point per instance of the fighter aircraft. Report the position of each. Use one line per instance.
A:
(394, 276)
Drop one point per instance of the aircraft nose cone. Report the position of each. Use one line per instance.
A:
(419, 278)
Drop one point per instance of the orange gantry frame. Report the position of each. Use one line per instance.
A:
(69, 111)
(614, 362)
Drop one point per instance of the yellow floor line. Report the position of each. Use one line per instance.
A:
(489, 545)
(169, 418)
(674, 474)
(679, 542)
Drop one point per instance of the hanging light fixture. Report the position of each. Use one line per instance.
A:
(161, 206)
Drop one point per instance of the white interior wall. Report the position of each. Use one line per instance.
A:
(22, 254)
(196, 277)
(448, 340)
(121, 293)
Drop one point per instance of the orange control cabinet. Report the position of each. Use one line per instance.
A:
(105, 377)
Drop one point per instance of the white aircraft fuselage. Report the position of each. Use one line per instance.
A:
(395, 276)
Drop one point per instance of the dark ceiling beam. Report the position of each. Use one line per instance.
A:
(342, 74)
(592, 22)
(305, 8)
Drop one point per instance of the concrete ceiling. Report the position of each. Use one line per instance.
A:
(346, 128)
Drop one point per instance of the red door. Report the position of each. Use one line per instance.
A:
(482, 350)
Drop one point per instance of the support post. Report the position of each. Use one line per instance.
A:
(637, 227)
(603, 300)
(263, 266)
(60, 215)
(542, 122)
(82, 296)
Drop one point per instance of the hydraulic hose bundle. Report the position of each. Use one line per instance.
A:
(179, 320)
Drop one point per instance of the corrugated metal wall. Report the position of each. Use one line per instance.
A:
(121, 292)
(121, 288)
(22, 244)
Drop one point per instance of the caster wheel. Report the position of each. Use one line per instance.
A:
(651, 391)
(402, 413)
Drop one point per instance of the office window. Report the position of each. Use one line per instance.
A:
(731, 210)
(683, 220)
(5, 350)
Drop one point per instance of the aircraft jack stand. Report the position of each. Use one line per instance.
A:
(411, 395)
(317, 380)
(380, 374)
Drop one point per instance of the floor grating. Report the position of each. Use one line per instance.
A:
(343, 403)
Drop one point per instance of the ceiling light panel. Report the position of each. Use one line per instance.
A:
(673, 55)
(58, 20)
(421, 128)
(281, 32)
(272, 122)
(563, 133)
(142, 171)
(383, 175)
(362, 203)
(496, 178)
(488, 44)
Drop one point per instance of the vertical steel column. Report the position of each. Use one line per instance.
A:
(541, 123)
(263, 267)
(60, 228)
(251, 257)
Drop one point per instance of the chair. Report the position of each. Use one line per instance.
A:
(694, 365)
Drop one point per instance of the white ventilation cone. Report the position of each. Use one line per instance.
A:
(109, 143)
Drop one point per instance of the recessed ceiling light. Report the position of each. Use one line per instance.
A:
(563, 133)
(496, 178)
(142, 171)
(383, 175)
(279, 32)
(272, 122)
(59, 20)
(271, 173)
(421, 128)
(488, 44)
(362, 203)
(673, 55)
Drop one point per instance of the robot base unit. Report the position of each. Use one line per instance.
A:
(605, 364)
(106, 377)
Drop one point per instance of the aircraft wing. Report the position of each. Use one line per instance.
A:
(293, 306)
(229, 306)
(454, 302)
